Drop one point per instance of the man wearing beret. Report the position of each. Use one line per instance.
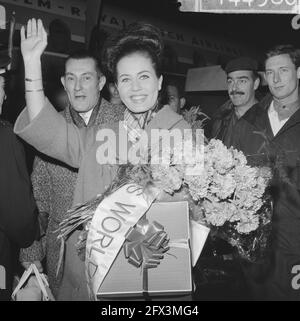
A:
(242, 81)
(269, 134)
(18, 212)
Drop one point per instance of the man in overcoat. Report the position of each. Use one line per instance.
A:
(269, 135)
(242, 82)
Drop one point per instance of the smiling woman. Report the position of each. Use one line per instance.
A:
(137, 82)
(134, 59)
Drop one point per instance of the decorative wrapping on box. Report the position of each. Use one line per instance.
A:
(113, 218)
(145, 244)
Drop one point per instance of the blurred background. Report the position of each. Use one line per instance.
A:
(192, 40)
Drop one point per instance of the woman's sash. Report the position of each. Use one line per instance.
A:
(112, 220)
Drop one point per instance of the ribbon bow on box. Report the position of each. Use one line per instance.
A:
(146, 244)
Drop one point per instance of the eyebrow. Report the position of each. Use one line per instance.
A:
(241, 77)
(85, 73)
(141, 72)
(284, 66)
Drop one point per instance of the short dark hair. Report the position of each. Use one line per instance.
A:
(290, 50)
(168, 81)
(83, 54)
(137, 37)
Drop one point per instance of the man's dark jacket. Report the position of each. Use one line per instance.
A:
(18, 213)
(253, 135)
(224, 121)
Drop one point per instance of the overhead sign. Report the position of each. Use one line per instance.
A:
(115, 18)
(241, 6)
(72, 8)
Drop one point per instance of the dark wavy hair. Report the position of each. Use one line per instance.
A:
(290, 50)
(83, 54)
(137, 37)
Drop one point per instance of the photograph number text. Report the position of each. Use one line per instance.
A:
(296, 278)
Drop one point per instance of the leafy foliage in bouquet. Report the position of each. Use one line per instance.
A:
(195, 117)
(252, 246)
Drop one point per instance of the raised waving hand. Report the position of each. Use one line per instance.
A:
(33, 40)
(33, 43)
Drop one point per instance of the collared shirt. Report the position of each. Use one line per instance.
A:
(275, 122)
(86, 116)
(279, 114)
(87, 119)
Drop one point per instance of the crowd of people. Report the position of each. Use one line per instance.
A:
(67, 172)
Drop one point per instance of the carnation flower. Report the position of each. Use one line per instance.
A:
(167, 178)
(214, 213)
(220, 156)
(198, 185)
(249, 225)
(223, 186)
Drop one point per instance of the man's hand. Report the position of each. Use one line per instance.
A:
(34, 42)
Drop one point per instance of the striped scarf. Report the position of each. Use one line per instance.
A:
(135, 123)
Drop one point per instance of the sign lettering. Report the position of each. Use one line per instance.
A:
(72, 8)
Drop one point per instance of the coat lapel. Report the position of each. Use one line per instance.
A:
(259, 119)
(293, 120)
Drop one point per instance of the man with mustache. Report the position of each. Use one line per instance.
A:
(242, 82)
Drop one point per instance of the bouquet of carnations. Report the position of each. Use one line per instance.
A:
(232, 198)
(228, 195)
(223, 192)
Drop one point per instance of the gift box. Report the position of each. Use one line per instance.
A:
(172, 278)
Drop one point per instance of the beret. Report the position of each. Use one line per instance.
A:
(242, 63)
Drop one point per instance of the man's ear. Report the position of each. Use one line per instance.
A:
(265, 77)
(160, 81)
(182, 102)
(298, 72)
(62, 79)
(256, 83)
(102, 81)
